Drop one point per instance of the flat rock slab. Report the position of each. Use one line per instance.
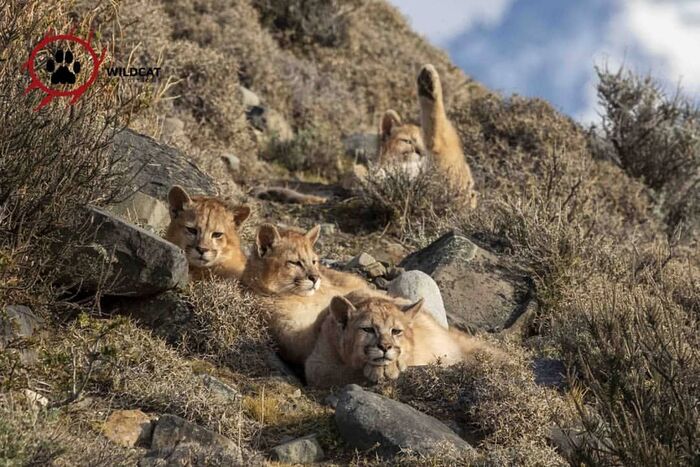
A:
(156, 167)
(367, 420)
(480, 289)
(137, 262)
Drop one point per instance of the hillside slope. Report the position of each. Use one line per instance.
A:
(600, 237)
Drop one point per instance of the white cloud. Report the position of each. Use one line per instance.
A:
(439, 20)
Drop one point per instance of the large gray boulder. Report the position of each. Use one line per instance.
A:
(366, 420)
(124, 260)
(156, 167)
(480, 289)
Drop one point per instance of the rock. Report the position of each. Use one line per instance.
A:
(327, 229)
(480, 289)
(414, 285)
(232, 162)
(394, 272)
(366, 419)
(167, 314)
(363, 147)
(270, 122)
(549, 372)
(137, 262)
(143, 209)
(299, 451)
(389, 252)
(188, 454)
(248, 97)
(19, 322)
(173, 128)
(381, 283)
(367, 265)
(221, 389)
(156, 167)
(128, 428)
(36, 400)
(172, 431)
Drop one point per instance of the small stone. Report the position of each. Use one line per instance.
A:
(394, 272)
(361, 261)
(172, 431)
(248, 97)
(375, 270)
(35, 399)
(232, 162)
(327, 229)
(381, 283)
(128, 428)
(19, 322)
(549, 372)
(299, 451)
(220, 388)
(173, 127)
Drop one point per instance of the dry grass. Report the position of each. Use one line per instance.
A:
(228, 327)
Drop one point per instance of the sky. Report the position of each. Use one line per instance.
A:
(549, 48)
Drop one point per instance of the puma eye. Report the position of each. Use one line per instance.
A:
(294, 263)
(314, 262)
(217, 235)
(368, 330)
(396, 332)
(192, 230)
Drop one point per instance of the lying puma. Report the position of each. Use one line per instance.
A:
(366, 337)
(285, 267)
(207, 230)
(436, 142)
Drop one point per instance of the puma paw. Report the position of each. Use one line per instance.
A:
(429, 83)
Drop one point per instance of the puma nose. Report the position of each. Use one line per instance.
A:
(201, 250)
(313, 278)
(384, 346)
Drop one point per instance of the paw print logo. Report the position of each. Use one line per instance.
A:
(62, 74)
(62, 67)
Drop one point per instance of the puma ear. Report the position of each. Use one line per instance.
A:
(313, 234)
(178, 199)
(341, 309)
(266, 238)
(240, 214)
(412, 310)
(390, 119)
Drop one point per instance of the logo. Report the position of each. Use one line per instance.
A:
(55, 68)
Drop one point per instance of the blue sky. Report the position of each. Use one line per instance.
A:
(548, 48)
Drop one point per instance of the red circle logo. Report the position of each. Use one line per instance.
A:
(63, 68)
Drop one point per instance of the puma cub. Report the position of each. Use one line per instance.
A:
(207, 230)
(368, 337)
(436, 142)
(284, 267)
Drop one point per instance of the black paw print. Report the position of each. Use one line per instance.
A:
(62, 74)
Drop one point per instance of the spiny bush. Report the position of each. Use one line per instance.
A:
(635, 349)
(55, 161)
(311, 149)
(228, 327)
(416, 207)
(307, 21)
(655, 137)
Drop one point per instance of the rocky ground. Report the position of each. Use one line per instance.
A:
(581, 261)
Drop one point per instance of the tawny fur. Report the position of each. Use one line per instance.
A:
(286, 195)
(402, 335)
(206, 229)
(439, 135)
(284, 267)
